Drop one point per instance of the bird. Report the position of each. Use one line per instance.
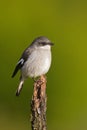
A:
(34, 61)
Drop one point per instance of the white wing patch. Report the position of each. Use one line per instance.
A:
(20, 61)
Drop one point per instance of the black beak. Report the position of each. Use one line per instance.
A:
(51, 43)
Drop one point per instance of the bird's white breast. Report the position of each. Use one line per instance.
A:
(37, 64)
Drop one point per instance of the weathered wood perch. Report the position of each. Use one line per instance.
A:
(38, 105)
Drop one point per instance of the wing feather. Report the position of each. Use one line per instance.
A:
(18, 66)
(22, 60)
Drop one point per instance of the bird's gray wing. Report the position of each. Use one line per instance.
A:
(21, 61)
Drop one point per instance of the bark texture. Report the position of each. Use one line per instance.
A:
(38, 105)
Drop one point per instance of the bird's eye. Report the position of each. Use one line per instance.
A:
(42, 43)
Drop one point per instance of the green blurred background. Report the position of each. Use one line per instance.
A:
(65, 24)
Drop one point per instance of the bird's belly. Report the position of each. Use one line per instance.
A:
(37, 65)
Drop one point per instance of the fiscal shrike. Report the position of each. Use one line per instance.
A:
(35, 60)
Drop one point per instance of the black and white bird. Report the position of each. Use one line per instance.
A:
(35, 60)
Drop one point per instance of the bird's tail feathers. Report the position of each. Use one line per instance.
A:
(19, 87)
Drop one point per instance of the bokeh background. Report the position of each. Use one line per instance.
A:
(64, 22)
